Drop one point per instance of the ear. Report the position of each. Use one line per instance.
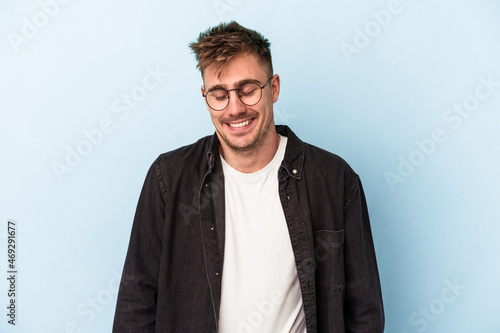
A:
(275, 87)
(204, 99)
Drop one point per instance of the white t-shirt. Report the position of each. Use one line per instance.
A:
(260, 287)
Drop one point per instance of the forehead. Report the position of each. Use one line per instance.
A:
(246, 67)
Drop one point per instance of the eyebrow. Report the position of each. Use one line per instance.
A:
(236, 85)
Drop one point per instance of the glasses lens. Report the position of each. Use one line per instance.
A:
(217, 99)
(250, 93)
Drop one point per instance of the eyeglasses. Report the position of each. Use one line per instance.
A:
(249, 94)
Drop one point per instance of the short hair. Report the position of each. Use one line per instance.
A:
(220, 44)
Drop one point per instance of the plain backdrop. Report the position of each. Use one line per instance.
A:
(408, 92)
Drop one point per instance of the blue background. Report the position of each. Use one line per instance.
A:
(368, 80)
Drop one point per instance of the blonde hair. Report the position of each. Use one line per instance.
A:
(220, 44)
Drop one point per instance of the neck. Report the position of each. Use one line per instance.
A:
(254, 159)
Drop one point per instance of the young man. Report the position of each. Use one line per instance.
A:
(251, 229)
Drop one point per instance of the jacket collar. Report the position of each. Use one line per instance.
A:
(213, 151)
(293, 162)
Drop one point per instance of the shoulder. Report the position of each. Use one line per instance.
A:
(318, 164)
(324, 158)
(187, 155)
(331, 170)
(298, 150)
(326, 161)
(181, 164)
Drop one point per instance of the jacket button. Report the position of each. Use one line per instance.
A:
(294, 171)
(288, 196)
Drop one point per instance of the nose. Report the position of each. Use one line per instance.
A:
(235, 105)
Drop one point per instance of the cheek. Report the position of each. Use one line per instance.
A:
(269, 111)
(215, 117)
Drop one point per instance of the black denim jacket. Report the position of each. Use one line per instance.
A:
(172, 276)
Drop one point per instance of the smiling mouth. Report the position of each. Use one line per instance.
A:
(241, 124)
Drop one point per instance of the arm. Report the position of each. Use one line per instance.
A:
(363, 308)
(136, 305)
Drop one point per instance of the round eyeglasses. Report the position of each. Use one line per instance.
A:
(249, 94)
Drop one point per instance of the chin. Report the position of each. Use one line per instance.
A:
(240, 146)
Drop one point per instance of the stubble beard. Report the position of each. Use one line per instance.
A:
(253, 143)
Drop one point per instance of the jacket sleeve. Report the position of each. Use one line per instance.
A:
(363, 308)
(137, 296)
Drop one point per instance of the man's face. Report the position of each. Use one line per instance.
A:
(241, 127)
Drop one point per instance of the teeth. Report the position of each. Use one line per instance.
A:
(240, 124)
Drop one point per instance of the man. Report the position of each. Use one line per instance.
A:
(251, 229)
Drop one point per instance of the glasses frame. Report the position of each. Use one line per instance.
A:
(238, 94)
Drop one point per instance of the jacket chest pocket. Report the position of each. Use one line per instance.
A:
(329, 255)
